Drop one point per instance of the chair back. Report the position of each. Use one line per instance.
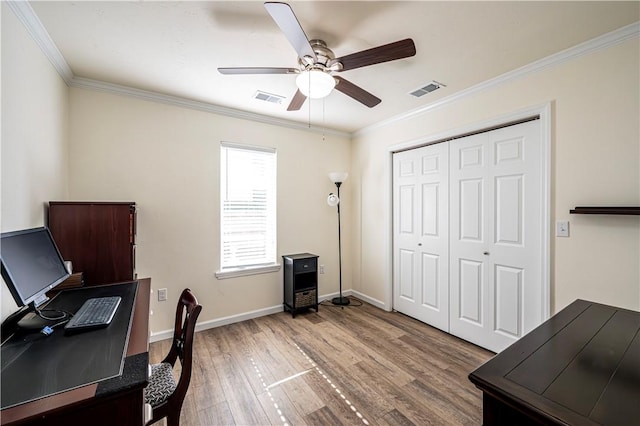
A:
(186, 316)
(181, 348)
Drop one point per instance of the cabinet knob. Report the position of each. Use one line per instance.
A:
(486, 253)
(419, 244)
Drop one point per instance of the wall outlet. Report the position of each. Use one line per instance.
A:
(322, 269)
(562, 228)
(162, 294)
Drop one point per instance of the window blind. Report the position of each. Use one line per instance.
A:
(248, 206)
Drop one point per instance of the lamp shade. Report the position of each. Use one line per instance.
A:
(315, 84)
(336, 177)
(333, 200)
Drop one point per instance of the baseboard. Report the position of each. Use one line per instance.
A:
(370, 300)
(330, 296)
(205, 325)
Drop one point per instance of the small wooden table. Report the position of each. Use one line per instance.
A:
(581, 367)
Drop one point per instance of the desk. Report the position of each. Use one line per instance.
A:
(581, 367)
(119, 400)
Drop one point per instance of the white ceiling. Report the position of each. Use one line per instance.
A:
(175, 48)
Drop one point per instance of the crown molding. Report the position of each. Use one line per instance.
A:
(602, 42)
(26, 15)
(147, 95)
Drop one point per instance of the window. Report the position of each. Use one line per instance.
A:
(247, 210)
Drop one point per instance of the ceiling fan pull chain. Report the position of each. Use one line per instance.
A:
(323, 120)
(310, 104)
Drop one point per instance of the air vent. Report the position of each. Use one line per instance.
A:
(268, 97)
(430, 87)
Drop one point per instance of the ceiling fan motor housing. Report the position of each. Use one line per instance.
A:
(323, 54)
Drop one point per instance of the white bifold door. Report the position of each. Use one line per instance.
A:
(421, 234)
(468, 235)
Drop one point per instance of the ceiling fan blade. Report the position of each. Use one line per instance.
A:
(356, 92)
(297, 101)
(388, 52)
(289, 25)
(257, 70)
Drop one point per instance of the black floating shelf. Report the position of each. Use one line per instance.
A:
(606, 210)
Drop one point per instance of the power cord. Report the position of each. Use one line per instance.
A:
(63, 314)
(62, 319)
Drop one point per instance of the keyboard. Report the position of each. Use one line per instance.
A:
(94, 313)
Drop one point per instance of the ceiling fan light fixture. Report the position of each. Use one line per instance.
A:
(315, 83)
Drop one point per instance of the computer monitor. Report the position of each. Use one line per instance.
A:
(31, 266)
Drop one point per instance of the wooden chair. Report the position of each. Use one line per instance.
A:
(163, 394)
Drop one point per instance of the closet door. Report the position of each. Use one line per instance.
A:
(421, 234)
(496, 235)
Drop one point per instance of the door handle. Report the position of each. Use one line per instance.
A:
(486, 253)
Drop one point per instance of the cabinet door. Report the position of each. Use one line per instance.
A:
(97, 238)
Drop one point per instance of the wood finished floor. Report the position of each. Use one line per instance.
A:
(354, 366)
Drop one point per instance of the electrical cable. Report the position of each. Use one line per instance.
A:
(64, 314)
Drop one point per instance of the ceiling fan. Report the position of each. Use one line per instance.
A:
(316, 62)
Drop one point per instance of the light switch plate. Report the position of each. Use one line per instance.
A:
(562, 228)
(162, 294)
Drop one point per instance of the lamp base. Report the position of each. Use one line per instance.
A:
(340, 301)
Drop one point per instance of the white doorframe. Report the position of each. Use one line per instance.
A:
(544, 112)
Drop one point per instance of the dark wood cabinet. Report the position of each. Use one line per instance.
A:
(300, 282)
(97, 237)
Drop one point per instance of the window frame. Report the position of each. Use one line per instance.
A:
(242, 270)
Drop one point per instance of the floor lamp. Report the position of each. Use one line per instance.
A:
(334, 200)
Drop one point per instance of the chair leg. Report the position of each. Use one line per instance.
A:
(173, 419)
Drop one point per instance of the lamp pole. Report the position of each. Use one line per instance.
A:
(339, 300)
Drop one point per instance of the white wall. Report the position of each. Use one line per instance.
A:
(595, 160)
(34, 134)
(166, 159)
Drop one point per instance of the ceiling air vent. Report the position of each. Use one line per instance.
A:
(430, 87)
(268, 97)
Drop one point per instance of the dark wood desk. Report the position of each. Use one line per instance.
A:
(119, 400)
(581, 367)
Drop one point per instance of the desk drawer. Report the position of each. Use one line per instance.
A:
(305, 265)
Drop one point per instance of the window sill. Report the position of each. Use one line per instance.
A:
(250, 270)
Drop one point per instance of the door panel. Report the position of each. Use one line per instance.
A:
(421, 228)
(471, 156)
(430, 197)
(508, 300)
(510, 251)
(430, 274)
(509, 209)
(406, 210)
(471, 210)
(471, 290)
(406, 275)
